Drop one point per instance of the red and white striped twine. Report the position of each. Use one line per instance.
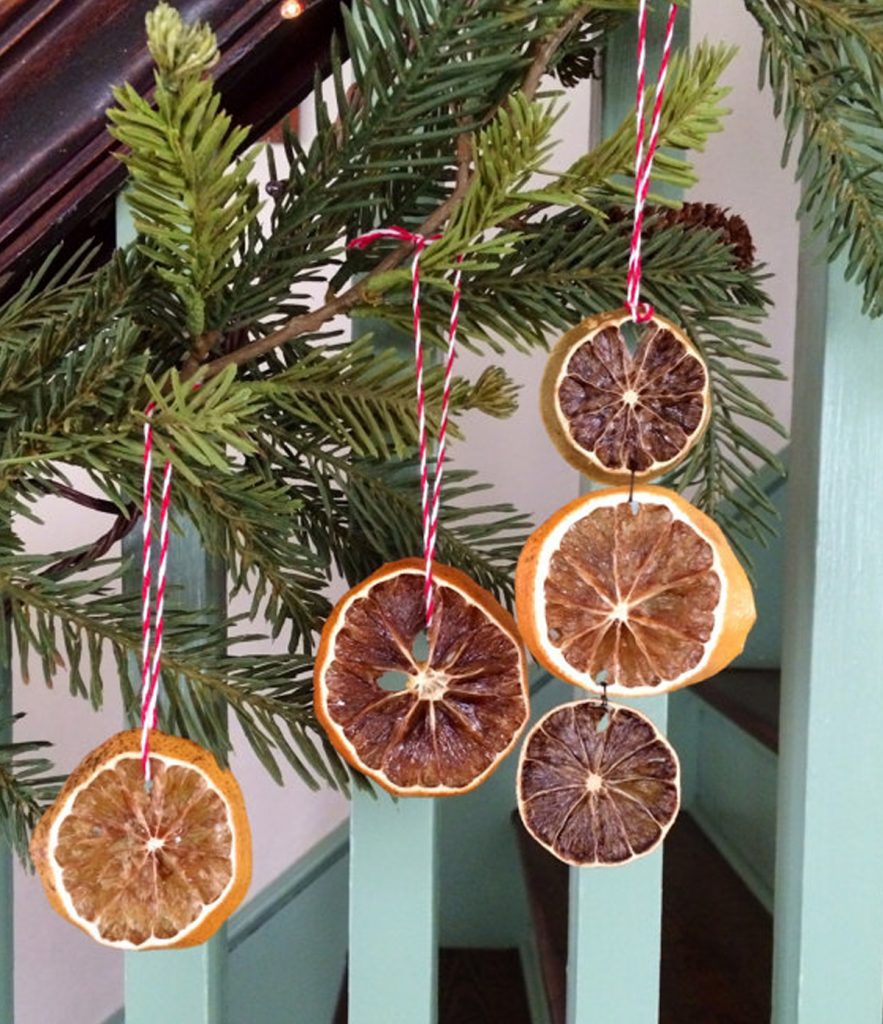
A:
(151, 657)
(430, 500)
(642, 312)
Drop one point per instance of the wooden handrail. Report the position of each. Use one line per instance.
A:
(58, 63)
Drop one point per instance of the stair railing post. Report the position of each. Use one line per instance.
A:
(615, 921)
(393, 908)
(187, 984)
(393, 954)
(829, 893)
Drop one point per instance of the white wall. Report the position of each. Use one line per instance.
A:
(741, 169)
(61, 974)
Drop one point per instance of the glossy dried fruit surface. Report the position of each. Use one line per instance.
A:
(430, 724)
(140, 869)
(595, 787)
(645, 598)
(611, 411)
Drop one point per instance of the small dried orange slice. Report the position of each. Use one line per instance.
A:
(146, 870)
(597, 787)
(643, 598)
(462, 705)
(611, 412)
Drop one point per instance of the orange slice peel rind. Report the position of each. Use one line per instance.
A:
(597, 787)
(140, 869)
(643, 601)
(464, 701)
(610, 412)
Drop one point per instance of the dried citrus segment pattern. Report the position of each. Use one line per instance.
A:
(462, 705)
(597, 787)
(611, 412)
(146, 870)
(644, 598)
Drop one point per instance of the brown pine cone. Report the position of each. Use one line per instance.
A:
(732, 227)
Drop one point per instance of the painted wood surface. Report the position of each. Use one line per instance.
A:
(393, 919)
(620, 908)
(829, 894)
(288, 945)
(729, 787)
(191, 980)
(7, 894)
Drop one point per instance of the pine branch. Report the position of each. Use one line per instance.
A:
(363, 398)
(27, 787)
(190, 195)
(823, 62)
(271, 695)
(376, 508)
(46, 293)
(691, 114)
(250, 521)
(414, 64)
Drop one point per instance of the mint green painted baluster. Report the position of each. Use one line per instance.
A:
(180, 985)
(7, 901)
(186, 984)
(393, 911)
(393, 877)
(829, 894)
(618, 909)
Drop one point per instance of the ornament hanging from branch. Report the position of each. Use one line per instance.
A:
(459, 700)
(630, 590)
(636, 588)
(456, 707)
(147, 846)
(615, 414)
(141, 868)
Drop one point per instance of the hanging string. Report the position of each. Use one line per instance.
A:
(642, 312)
(430, 500)
(151, 655)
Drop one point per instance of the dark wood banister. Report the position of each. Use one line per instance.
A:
(58, 62)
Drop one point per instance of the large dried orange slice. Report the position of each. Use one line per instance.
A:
(139, 869)
(421, 724)
(597, 786)
(611, 412)
(642, 598)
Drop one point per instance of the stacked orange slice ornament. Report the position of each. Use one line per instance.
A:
(623, 592)
(420, 680)
(615, 414)
(627, 591)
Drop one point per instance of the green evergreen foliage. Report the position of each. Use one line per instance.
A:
(27, 788)
(295, 457)
(824, 62)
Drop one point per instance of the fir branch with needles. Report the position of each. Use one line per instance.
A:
(823, 60)
(295, 457)
(28, 785)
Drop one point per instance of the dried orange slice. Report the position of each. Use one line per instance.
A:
(146, 870)
(610, 412)
(459, 709)
(645, 598)
(597, 786)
